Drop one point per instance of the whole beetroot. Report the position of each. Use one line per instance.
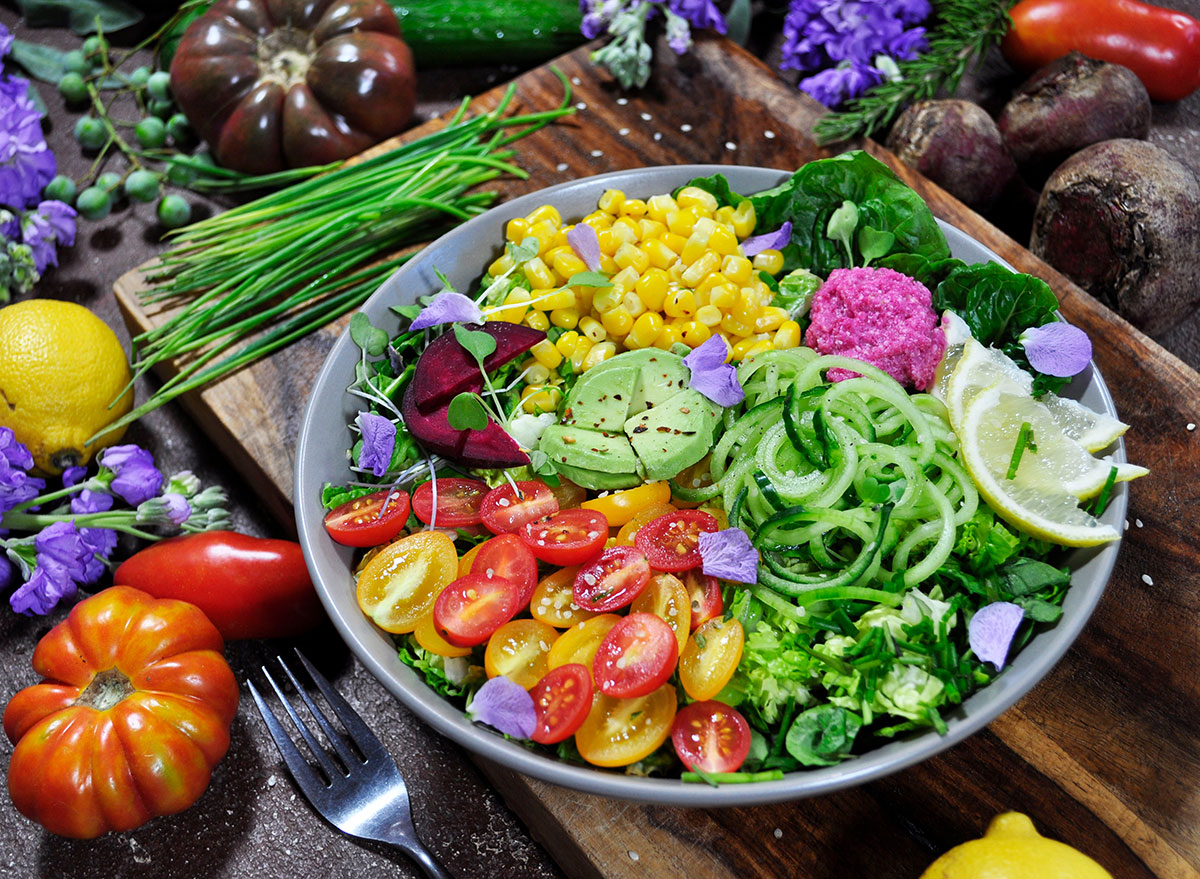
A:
(957, 145)
(1121, 219)
(1071, 103)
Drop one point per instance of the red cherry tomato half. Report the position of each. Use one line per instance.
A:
(672, 542)
(569, 537)
(506, 509)
(458, 502)
(562, 700)
(704, 596)
(507, 557)
(471, 608)
(613, 580)
(636, 657)
(711, 737)
(370, 520)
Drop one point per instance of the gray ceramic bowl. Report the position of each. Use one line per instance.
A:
(321, 457)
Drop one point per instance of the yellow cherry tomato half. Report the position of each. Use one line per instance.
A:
(401, 583)
(580, 642)
(647, 514)
(519, 650)
(618, 732)
(621, 506)
(553, 600)
(666, 597)
(431, 639)
(711, 657)
(468, 557)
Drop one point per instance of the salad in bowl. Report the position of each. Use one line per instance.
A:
(664, 481)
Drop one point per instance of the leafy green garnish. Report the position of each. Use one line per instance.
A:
(477, 343)
(589, 279)
(366, 336)
(467, 412)
(823, 735)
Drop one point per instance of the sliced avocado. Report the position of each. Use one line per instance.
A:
(601, 400)
(673, 435)
(661, 375)
(591, 458)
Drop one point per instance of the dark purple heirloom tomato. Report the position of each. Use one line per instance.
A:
(274, 84)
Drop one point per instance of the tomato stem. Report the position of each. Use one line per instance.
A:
(106, 689)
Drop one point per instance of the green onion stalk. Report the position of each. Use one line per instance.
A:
(327, 243)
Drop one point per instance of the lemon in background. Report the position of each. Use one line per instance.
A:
(1013, 849)
(60, 368)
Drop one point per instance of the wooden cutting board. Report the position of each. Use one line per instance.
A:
(1104, 753)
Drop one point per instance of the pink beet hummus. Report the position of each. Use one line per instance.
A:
(879, 316)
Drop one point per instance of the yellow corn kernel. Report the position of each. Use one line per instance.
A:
(675, 272)
(724, 215)
(546, 354)
(535, 373)
(645, 330)
(548, 213)
(611, 201)
(598, 220)
(609, 242)
(516, 305)
(723, 241)
(566, 264)
(769, 261)
(538, 274)
(542, 400)
(680, 303)
(537, 320)
(705, 287)
(630, 256)
(673, 241)
(659, 254)
(633, 304)
(617, 321)
(582, 348)
(500, 266)
(634, 208)
(567, 318)
(709, 315)
(648, 229)
(516, 229)
(765, 294)
(668, 337)
(735, 327)
(744, 219)
(606, 299)
(583, 299)
(607, 265)
(696, 247)
(683, 221)
(737, 269)
(592, 328)
(598, 354)
(701, 268)
(743, 348)
(770, 319)
(746, 309)
(560, 238)
(564, 297)
(626, 231)
(544, 232)
(658, 206)
(723, 295)
(566, 343)
(553, 251)
(788, 335)
(695, 196)
(695, 333)
(651, 288)
(625, 279)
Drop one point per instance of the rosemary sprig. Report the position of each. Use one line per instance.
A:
(960, 31)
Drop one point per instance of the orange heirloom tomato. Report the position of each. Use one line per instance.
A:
(401, 583)
(130, 719)
(553, 601)
(711, 657)
(580, 642)
(518, 650)
(666, 597)
(621, 506)
(618, 732)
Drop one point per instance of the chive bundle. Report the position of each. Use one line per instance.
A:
(260, 276)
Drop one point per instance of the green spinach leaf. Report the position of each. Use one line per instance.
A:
(823, 735)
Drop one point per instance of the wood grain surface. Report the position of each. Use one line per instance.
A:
(1104, 753)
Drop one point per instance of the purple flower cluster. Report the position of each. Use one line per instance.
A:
(31, 228)
(628, 56)
(850, 45)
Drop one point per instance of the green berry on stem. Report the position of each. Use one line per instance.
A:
(181, 175)
(110, 182)
(161, 109)
(180, 130)
(91, 133)
(77, 62)
(174, 211)
(159, 86)
(151, 132)
(94, 45)
(139, 77)
(60, 189)
(142, 186)
(73, 88)
(93, 203)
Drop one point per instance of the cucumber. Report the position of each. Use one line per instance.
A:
(457, 33)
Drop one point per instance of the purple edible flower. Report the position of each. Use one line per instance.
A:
(1057, 349)
(45, 229)
(16, 485)
(992, 629)
(834, 85)
(729, 555)
(699, 13)
(62, 562)
(379, 440)
(711, 375)
(6, 41)
(586, 243)
(101, 541)
(506, 705)
(776, 240)
(136, 477)
(26, 163)
(73, 476)
(448, 307)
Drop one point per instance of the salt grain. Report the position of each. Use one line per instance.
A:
(1147, 580)
(622, 131)
(633, 856)
(581, 106)
(1137, 522)
(778, 833)
(1191, 426)
(561, 166)
(597, 153)
(685, 128)
(769, 134)
(658, 135)
(646, 117)
(730, 145)
(575, 80)
(271, 781)
(622, 101)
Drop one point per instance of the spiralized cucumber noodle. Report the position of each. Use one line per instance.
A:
(849, 489)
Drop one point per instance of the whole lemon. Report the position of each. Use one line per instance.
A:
(1013, 849)
(60, 368)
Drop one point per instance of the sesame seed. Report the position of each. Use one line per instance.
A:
(633, 856)
(685, 128)
(778, 832)
(575, 80)
(658, 135)
(622, 131)
(597, 153)
(646, 117)
(622, 101)
(1191, 426)
(581, 106)
(769, 134)
(730, 145)
(561, 166)
(1137, 522)
(1147, 580)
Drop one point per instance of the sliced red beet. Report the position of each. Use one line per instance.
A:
(491, 447)
(446, 370)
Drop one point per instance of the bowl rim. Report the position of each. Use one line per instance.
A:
(327, 563)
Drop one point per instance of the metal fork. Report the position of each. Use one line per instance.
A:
(364, 797)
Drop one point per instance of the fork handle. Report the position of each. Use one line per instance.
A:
(425, 861)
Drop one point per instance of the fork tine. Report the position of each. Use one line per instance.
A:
(360, 733)
(309, 781)
(349, 758)
(332, 772)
